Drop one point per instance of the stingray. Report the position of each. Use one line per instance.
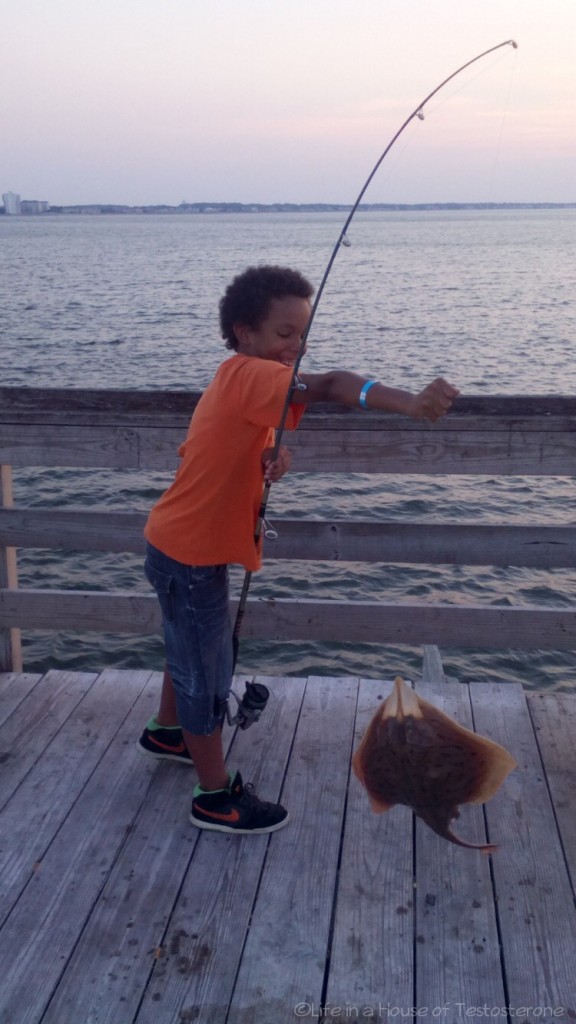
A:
(414, 754)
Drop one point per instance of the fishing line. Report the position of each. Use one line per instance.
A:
(396, 158)
(418, 112)
(503, 121)
(438, 105)
(481, 73)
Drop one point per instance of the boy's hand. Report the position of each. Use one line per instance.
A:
(274, 470)
(433, 401)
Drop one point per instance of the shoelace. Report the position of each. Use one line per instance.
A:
(249, 798)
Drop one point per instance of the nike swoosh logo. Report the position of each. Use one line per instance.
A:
(231, 816)
(179, 749)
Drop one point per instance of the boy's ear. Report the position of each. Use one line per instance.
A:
(242, 333)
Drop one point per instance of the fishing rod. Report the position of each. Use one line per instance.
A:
(418, 112)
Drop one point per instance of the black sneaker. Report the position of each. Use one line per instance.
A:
(237, 809)
(164, 745)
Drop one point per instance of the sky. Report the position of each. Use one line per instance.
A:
(139, 102)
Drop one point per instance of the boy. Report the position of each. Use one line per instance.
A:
(206, 520)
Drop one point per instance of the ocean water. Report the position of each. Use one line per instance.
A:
(485, 298)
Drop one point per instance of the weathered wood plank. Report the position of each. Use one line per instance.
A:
(24, 737)
(283, 960)
(432, 667)
(81, 610)
(434, 452)
(77, 406)
(201, 950)
(115, 953)
(532, 885)
(90, 447)
(372, 954)
(39, 936)
(125, 937)
(10, 639)
(136, 407)
(514, 434)
(74, 529)
(537, 546)
(457, 943)
(413, 623)
(431, 449)
(14, 687)
(471, 625)
(554, 718)
(33, 815)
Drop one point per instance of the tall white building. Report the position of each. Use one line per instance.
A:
(11, 204)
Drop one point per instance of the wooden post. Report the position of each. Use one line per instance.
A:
(432, 668)
(10, 640)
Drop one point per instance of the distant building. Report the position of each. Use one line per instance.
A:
(34, 206)
(12, 204)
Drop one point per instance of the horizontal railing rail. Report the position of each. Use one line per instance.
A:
(473, 625)
(324, 540)
(494, 435)
(514, 435)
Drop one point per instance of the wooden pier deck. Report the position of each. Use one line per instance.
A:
(115, 910)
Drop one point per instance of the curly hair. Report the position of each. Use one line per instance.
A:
(247, 299)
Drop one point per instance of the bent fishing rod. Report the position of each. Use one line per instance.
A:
(418, 112)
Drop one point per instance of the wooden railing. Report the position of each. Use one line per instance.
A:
(516, 435)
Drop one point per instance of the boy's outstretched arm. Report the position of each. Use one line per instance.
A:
(346, 388)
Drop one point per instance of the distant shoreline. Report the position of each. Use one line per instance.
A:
(215, 208)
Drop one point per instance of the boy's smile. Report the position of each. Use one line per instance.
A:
(279, 336)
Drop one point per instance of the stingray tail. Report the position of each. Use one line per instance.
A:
(484, 847)
(441, 829)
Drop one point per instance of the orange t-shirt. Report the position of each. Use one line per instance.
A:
(209, 513)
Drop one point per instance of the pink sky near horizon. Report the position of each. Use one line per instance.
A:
(251, 101)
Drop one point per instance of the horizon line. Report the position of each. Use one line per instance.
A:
(224, 206)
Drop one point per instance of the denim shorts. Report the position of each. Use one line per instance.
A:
(197, 635)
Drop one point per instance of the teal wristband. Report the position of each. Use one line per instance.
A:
(364, 392)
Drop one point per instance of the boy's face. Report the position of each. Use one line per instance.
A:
(279, 336)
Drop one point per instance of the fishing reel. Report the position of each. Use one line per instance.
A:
(250, 707)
